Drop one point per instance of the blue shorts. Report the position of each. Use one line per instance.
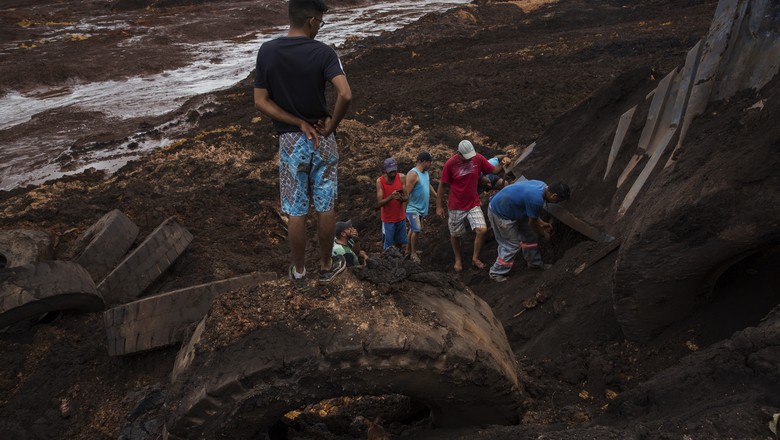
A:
(415, 221)
(302, 167)
(394, 233)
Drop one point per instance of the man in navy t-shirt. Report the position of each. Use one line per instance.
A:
(514, 216)
(289, 88)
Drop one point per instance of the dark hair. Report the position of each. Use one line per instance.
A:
(562, 189)
(300, 10)
(424, 157)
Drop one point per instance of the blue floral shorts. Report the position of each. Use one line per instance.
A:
(304, 170)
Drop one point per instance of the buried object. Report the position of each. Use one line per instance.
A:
(441, 347)
(24, 246)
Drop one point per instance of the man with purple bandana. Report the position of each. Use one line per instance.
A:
(289, 88)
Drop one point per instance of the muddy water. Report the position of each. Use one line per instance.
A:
(35, 155)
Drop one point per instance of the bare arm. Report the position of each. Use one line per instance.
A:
(343, 99)
(404, 195)
(382, 201)
(439, 198)
(411, 180)
(541, 227)
(504, 160)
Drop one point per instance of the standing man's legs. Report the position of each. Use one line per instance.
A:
(401, 236)
(395, 235)
(478, 224)
(529, 244)
(455, 221)
(455, 242)
(326, 231)
(301, 168)
(324, 186)
(296, 236)
(295, 155)
(479, 239)
(508, 241)
(415, 226)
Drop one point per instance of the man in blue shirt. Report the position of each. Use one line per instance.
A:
(514, 216)
(419, 188)
(289, 88)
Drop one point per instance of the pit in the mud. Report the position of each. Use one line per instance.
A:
(352, 417)
(743, 294)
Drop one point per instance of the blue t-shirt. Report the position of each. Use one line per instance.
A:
(294, 71)
(493, 161)
(420, 197)
(518, 200)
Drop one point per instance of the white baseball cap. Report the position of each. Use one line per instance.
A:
(466, 149)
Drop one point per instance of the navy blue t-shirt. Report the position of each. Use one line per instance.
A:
(294, 71)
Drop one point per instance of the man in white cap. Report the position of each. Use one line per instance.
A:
(461, 174)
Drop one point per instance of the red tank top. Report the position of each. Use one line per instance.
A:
(393, 211)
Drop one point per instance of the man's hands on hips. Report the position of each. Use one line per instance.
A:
(310, 132)
(325, 126)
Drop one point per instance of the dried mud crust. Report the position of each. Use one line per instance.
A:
(267, 350)
(23, 246)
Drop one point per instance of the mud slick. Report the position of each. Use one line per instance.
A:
(153, 302)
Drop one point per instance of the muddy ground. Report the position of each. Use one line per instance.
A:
(498, 73)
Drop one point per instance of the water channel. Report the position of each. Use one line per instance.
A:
(32, 158)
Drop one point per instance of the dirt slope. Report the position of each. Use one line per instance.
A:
(490, 72)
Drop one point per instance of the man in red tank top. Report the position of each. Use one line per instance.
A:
(391, 200)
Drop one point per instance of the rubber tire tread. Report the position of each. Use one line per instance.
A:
(466, 373)
(29, 291)
(162, 320)
(99, 248)
(145, 263)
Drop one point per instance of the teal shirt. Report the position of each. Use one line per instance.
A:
(420, 197)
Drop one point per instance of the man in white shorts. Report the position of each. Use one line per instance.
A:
(461, 175)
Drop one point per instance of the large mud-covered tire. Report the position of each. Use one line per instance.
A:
(29, 291)
(161, 320)
(145, 263)
(24, 246)
(103, 244)
(441, 347)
